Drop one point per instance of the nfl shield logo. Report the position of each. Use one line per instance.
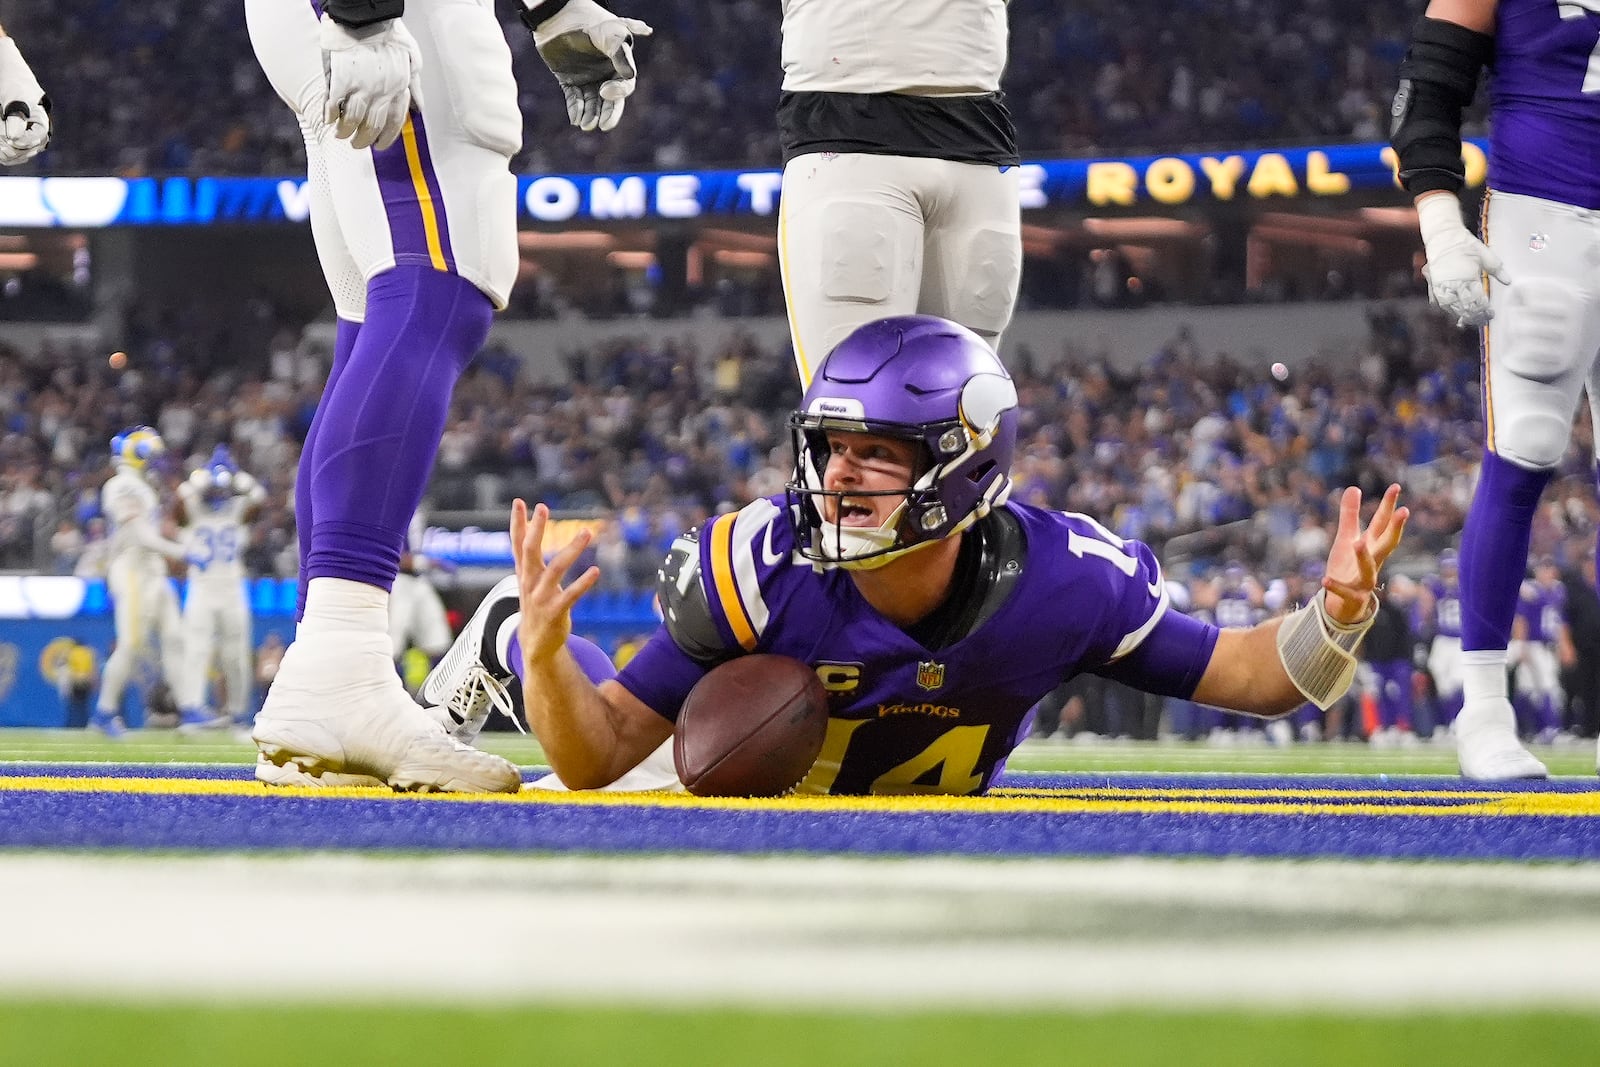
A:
(930, 675)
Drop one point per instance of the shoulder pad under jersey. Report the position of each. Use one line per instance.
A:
(684, 607)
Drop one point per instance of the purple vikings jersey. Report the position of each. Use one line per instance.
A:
(1544, 89)
(1446, 607)
(1543, 609)
(1039, 597)
(1234, 610)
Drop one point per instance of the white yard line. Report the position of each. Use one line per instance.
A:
(790, 932)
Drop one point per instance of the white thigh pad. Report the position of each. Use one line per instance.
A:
(1538, 331)
(989, 270)
(1537, 367)
(475, 66)
(859, 260)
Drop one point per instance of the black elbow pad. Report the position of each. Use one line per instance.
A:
(363, 12)
(1438, 79)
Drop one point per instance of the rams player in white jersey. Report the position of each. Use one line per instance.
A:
(410, 116)
(900, 181)
(24, 107)
(145, 608)
(216, 505)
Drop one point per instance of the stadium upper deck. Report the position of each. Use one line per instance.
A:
(170, 87)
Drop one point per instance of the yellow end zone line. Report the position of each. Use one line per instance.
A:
(1104, 801)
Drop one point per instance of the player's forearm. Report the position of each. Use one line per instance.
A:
(1475, 15)
(1246, 674)
(576, 725)
(149, 537)
(1450, 45)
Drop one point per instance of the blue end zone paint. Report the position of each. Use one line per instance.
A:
(42, 819)
(218, 771)
(1055, 782)
(111, 818)
(1051, 783)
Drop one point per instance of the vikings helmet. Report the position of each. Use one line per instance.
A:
(922, 379)
(136, 447)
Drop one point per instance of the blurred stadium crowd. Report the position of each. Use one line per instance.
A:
(1228, 472)
(1225, 470)
(168, 86)
(1205, 457)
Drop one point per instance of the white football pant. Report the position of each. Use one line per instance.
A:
(145, 613)
(443, 194)
(417, 617)
(861, 237)
(217, 631)
(1542, 348)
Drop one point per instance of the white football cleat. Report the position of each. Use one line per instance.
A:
(337, 706)
(462, 690)
(1487, 745)
(292, 774)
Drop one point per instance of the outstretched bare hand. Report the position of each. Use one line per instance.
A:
(1358, 556)
(546, 605)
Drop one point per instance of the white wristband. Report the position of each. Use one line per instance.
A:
(1318, 653)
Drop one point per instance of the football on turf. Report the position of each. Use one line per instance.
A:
(751, 727)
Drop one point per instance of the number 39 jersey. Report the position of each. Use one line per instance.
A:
(1544, 88)
(1039, 596)
(215, 540)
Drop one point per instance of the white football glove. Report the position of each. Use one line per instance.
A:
(590, 51)
(1457, 261)
(374, 78)
(26, 129)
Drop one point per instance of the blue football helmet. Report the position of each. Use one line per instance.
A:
(137, 446)
(919, 378)
(221, 472)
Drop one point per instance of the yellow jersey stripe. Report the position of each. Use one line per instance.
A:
(419, 181)
(1483, 334)
(727, 586)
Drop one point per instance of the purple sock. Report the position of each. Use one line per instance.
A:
(343, 342)
(1494, 550)
(592, 659)
(383, 417)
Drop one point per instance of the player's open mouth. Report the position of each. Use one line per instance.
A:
(854, 514)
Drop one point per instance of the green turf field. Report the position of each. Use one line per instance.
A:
(166, 746)
(39, 1034)
(139, 1024)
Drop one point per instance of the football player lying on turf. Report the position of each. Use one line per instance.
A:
(935, 613)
